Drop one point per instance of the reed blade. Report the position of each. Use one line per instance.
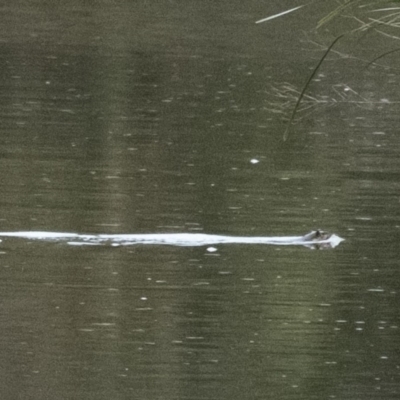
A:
(381, 56)
(278, 15)
(285, 135)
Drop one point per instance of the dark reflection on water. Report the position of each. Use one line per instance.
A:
(87, 322)
(164, 118)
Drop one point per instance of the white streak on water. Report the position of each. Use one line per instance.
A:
(173, 239)
(278, 15)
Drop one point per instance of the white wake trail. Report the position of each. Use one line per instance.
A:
(313, 239)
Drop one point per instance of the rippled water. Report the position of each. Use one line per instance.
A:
(167, 118)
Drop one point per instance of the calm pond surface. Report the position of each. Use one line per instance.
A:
(158, 117)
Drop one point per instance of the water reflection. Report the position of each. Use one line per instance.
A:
(148, 119)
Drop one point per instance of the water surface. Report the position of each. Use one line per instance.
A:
(167, 118)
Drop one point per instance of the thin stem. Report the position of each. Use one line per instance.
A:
(285, 135)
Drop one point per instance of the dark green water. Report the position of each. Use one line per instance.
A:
(141, 117)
